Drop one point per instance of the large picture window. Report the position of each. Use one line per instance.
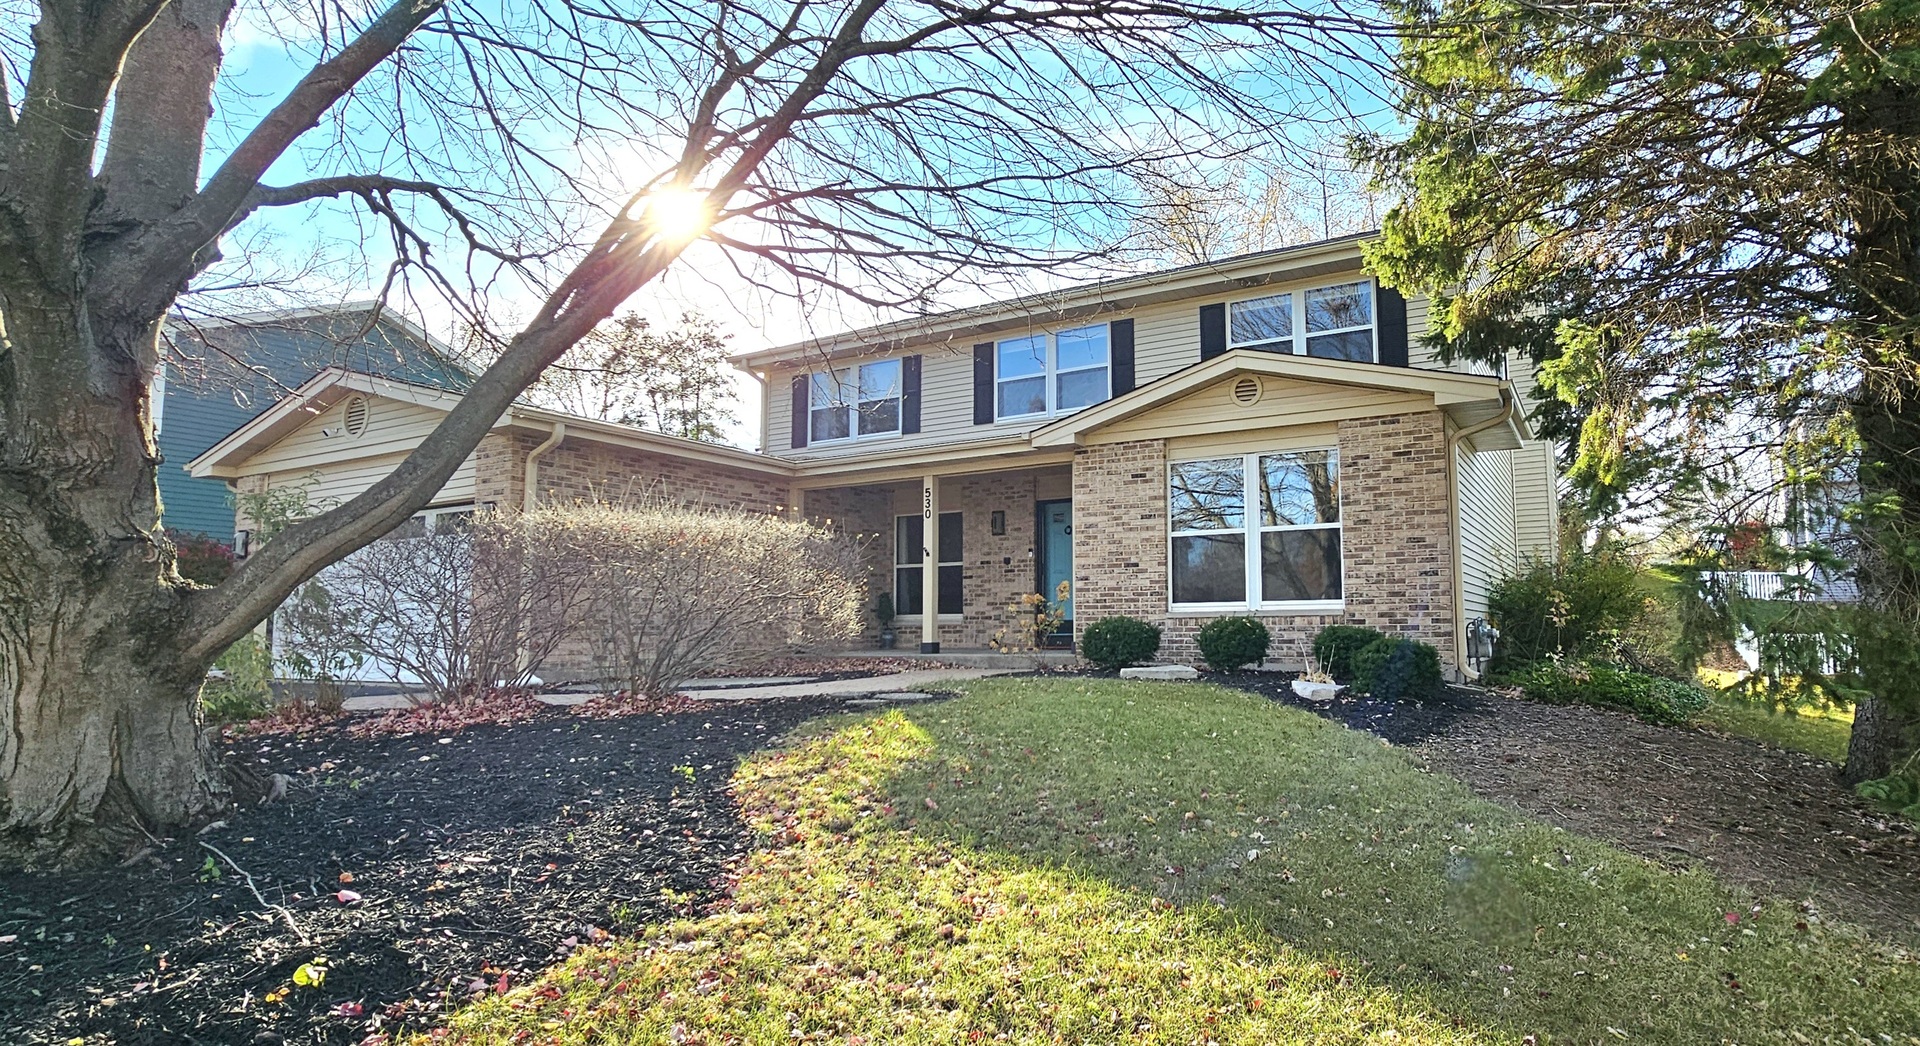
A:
(1334, 323)
(909, 579)
(1281, 552)
(1045, 374)
(855, 403)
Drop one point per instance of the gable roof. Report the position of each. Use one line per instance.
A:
(1468, 399)
(1282, 264)
(221, 372)
(224, 459)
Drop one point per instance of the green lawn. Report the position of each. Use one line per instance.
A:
(1816, 732)
(1092, 861)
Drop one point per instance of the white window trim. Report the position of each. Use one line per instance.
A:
(915, 619)
(814, 380)
(1250, 530)
(1052, 372)
(1297, 309)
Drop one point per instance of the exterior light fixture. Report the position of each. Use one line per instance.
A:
(999, 519)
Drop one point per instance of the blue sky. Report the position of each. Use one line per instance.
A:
(333, 251)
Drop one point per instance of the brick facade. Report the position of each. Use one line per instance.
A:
(1395, 539)
(588, 470)
(997, 568)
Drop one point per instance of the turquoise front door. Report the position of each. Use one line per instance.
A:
(1056, 555)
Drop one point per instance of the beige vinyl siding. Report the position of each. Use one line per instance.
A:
(1166, 339)
(337, 467)
(1536, 489)
(1488, 546)
(1282, 403)
(393, 427)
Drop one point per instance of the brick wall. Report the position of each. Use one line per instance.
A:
(1395, 539)
(585, 470)
(997, 568)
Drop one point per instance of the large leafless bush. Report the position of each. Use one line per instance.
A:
(472, 604)
(676, 590)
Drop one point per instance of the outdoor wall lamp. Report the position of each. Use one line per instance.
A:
(999, 522)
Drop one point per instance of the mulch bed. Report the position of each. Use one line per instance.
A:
(1771, 821)
(1401, 723)
(477, 859)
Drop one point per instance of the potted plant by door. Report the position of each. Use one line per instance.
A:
(883, 613)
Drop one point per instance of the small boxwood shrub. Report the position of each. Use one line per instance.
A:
(1394, 668)
(1227, 643)
(1336, 646)
(1116, 642)
(1652, 698)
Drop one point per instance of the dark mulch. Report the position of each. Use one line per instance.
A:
(479, 856)
(1402, 722)
(1772, 821)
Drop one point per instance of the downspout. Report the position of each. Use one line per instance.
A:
(528, 499)
(1453, 503)
(530, 496)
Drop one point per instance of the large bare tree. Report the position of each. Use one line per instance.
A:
(882, 147)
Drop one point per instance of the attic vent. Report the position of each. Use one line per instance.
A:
(356, 415)
(1246, 391)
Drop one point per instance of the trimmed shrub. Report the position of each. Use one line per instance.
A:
(1652, 698)
(1116, 642)
(1583, 605)
(1336, 646)
(1394, 668)
(1227, 643)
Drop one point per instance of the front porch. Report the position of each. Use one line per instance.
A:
(1000, 535)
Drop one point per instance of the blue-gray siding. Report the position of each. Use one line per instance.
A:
(221, 377)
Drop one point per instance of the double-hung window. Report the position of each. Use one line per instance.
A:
(1256, 532)
(909, 577)
(1334, 323)
(1043, 374)
(854, 403)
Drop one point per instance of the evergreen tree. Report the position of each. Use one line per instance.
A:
(1703, 220)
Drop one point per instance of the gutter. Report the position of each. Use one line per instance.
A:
(1508, 404)
(530, 495)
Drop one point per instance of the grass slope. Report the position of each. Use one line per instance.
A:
(1817, 732)
(1092, 861)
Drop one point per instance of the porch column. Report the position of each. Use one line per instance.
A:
(930, 565)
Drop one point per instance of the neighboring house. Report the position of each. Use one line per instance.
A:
(217, 375)
(1261, 435)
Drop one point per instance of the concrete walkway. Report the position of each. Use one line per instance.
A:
(865, 687)
(730, 690)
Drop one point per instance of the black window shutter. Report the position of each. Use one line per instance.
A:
(983, 383)
(909, 395)
(802, 400)
(1393, 328)
(1120, 337)
(1213, 330)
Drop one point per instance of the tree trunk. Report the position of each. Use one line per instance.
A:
(1885, 291)
(100, 742)
(99, 723)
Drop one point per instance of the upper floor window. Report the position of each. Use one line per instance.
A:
(854, 403)
(1334, 323)
(1045, 374)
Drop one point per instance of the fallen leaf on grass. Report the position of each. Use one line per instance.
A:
(310, 975)
(349, 1009)
(347, 897)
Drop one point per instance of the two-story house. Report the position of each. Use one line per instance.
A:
(1261, 435)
